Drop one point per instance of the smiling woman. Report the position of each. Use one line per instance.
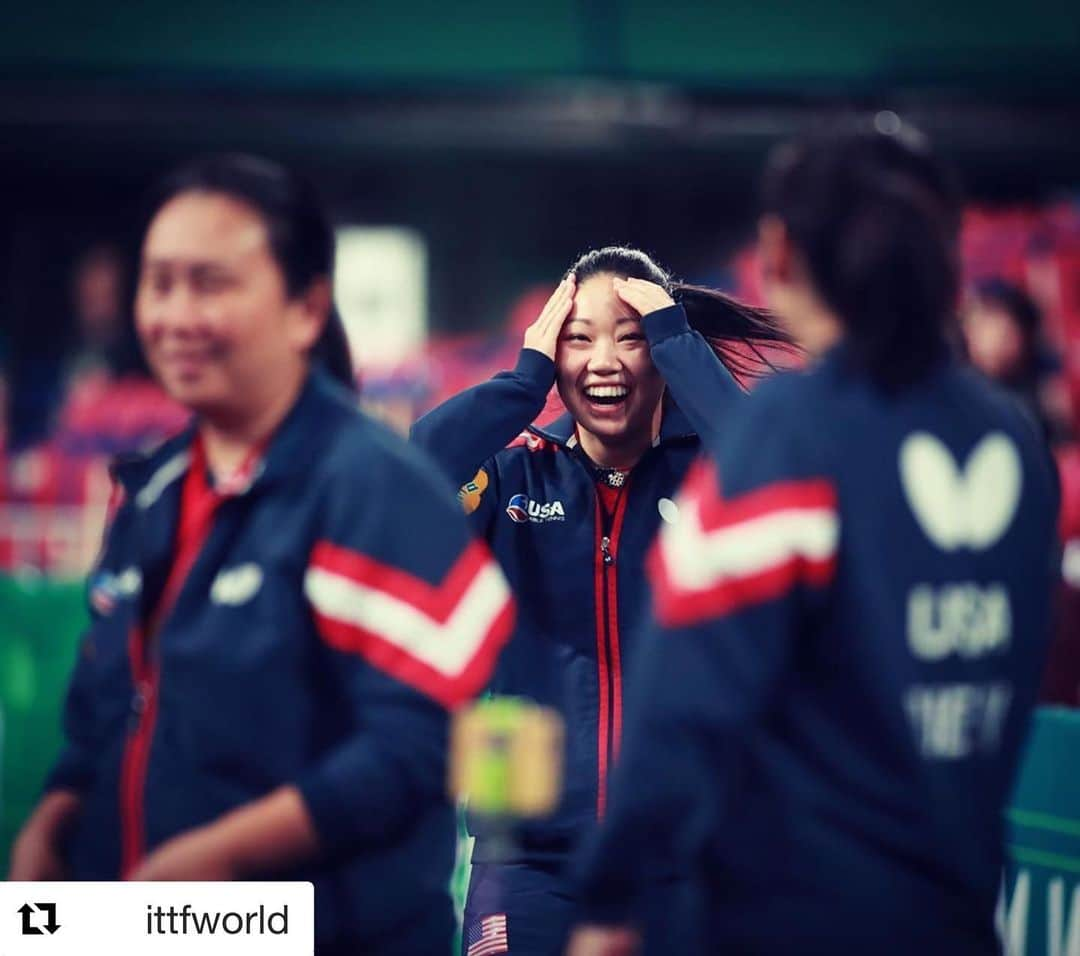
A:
(234, 290)
(643, 367)
(606, 378)
(264, 541)
(218, 329)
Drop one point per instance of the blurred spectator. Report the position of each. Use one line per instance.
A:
(1003, 332)
(1001, 326)
(53, 482)
(1061, 684)
(99, 292)
(110, 403)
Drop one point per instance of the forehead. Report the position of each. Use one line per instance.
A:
(202, 226)
(982, 310)
(595, 301)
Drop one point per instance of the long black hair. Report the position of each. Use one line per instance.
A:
(732, 328)
(876, 218)
(300, 235)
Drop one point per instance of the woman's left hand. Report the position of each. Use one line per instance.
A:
(267, 835)
(641, 295)
(199, 854)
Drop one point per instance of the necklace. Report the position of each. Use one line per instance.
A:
(612, 477)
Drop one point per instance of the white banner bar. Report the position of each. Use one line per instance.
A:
(132, 919)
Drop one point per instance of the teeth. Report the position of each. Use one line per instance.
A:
(607, 391)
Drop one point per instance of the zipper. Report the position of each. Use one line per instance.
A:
(198, 510)
(609, 664)
(144, 705)
(146, 677)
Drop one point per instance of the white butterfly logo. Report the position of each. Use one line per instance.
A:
(972, 507)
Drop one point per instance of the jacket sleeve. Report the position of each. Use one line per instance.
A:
(732, 578)
(74, 769)
(76, 766)
(468, 429)
(412, 612)
(698, 381)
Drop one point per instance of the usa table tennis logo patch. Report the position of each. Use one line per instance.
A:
(106, 588)
(522, 509)
(518, 509)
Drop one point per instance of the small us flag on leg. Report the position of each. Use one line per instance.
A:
(487, 936)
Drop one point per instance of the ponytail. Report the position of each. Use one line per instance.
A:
(733, 329)
(331, 351)
(895, 279)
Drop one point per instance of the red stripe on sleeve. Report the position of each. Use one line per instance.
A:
(436, 601)
(712, 515)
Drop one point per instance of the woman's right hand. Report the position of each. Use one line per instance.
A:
(36, 854)
(543, 334)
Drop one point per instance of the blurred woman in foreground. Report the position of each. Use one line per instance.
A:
(263, 691)
(815, 729)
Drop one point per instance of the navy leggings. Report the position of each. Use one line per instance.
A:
(540, 909)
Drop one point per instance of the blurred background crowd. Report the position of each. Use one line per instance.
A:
(468, 153)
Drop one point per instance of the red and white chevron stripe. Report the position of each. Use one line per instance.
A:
(441, 639)
(721, 555)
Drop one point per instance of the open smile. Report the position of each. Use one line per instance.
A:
(606, 396)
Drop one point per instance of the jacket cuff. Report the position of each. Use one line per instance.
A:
(606, 913)
(665, 323)
(69, 774)
(536, 369)
(606, 893)
(321, 797)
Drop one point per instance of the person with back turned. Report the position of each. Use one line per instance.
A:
(851, 612)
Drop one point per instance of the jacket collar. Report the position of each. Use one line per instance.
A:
(840, 360)
(674, 426)
(144, 477)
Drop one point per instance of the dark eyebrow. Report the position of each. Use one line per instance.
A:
(163, 262)
(621, 320)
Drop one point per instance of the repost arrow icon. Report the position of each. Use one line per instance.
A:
(28, 928)
(50, 908)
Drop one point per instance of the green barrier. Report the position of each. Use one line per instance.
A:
(1041, 909)
(40, 624)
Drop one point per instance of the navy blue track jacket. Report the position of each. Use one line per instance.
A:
(579, 585)
(852, 616)
(336, 609)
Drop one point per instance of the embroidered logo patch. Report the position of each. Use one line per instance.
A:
(669, 511)
(522, 509)
(106, 588)
(487, 936)
(237, 585)
(471, 492)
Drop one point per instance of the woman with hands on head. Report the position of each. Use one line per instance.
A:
(643, 366)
